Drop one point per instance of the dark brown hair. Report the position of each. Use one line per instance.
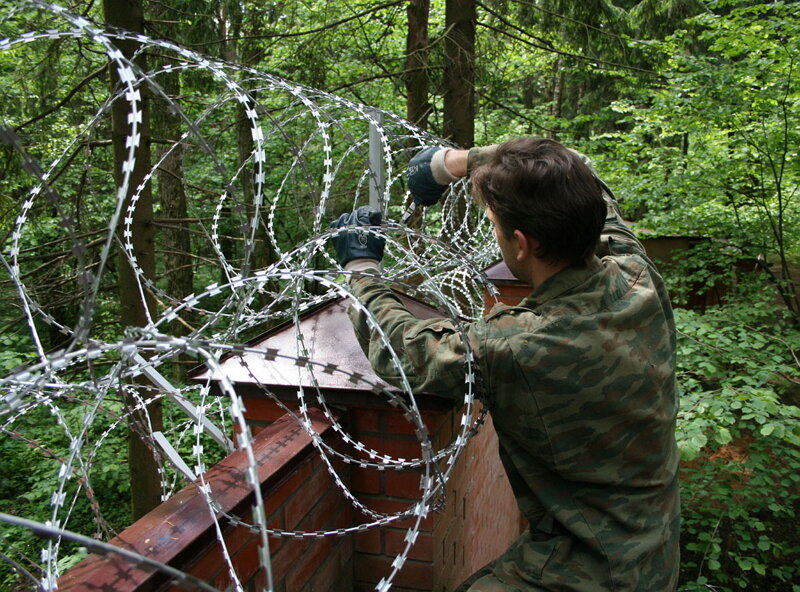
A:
(548, 192)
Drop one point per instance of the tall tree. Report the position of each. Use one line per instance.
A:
(135, 307)
(175, 241)
(244, 22)
(459, 72)
(418, 107)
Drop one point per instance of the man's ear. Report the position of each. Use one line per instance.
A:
(526, 245)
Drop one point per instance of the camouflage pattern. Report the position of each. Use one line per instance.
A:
(481, 154)
(580, 381)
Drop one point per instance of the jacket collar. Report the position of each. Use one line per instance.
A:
(561, 283)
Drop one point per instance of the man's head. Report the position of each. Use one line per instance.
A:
(545, 191)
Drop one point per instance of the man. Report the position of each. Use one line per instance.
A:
(580, 376)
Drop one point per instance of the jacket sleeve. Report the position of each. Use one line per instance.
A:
(616, 238)
(432, 354)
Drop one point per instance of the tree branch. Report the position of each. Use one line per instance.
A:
(515, 113)
(560, 52)
(332, 25)
(64, 100)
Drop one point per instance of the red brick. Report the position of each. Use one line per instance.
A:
(509, 294)
(442, 433)
(300, 574)
(288, 556)
(369, 541)
(276, 496)
(364, 420)
(321, 516)
(395, 446)
(342, 468)
(222, 581)
(343, 514)
(207, 565)
(371, 568)
(247, 562)
(395, 542)
(396, 423)
(238, 537)
(335, 574)
(262, 409)
(275, 542)
(259, 582)
(273, 522)
(417, 575)
(304, 498)
(434, 420)
(365, 480)
(390, 506)
(403, 484)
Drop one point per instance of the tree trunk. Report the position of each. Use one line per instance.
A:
(459, 72)
(175, 238)
(459, 96)
(144, 477)
(263, 253)
(230, 23)
(557, 104)
(416, 76)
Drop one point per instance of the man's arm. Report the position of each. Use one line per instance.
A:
(431, 353)
(433, 169)
(616, 237)
(460, 163)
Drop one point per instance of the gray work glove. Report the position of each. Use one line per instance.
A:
(356, 243)
(428, 177)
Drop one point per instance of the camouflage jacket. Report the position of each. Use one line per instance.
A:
(580, 380)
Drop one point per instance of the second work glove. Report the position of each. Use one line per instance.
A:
(428, 177)
(357, 243)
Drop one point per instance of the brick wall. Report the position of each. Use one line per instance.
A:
(511, 295)
(480, 521)
(482, 518)
(388, 432)
(298, 493)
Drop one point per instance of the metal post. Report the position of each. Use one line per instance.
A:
(376, 179)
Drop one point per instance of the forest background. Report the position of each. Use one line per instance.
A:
(688, 109)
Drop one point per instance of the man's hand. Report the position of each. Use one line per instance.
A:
(356, 243)
(428, 177)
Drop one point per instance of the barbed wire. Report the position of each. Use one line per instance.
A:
(313, 156)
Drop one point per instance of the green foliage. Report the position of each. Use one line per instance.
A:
(33, 450)
(688, 109)
(35, 446)
(739, 436)
(707, 271)
(728, 166)
(15, 349)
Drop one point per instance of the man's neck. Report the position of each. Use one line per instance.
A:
(541, 271)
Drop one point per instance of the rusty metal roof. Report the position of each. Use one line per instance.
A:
(328, 338)
(499, 273)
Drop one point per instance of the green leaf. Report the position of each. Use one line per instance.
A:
(723, 435)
